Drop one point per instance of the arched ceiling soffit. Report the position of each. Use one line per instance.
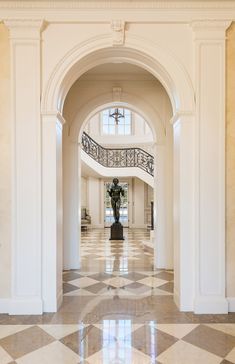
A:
(105, 101)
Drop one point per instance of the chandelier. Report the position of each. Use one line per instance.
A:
(116, 115)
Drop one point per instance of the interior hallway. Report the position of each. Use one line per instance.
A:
(117, 310)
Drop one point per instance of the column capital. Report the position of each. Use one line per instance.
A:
(181, 114)
(210, 29)
(54, 116)
(25, 28)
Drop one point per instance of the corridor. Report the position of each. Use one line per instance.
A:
(117, 310)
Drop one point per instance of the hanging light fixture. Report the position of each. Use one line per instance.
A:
(116, 115)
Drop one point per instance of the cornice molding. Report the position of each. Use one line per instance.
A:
(53, 116)
(25, 28)
(201, 25)
(21, 23)
(210, 29)
(118, 4)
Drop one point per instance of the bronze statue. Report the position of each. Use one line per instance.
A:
(115, 192)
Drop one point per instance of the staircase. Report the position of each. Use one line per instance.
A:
(118, 161)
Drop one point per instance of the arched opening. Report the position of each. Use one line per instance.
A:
(61, 81)
(155, 109)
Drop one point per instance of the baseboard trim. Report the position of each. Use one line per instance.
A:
(25, 306)
(4, 305)
(211, 305)
(231, 304)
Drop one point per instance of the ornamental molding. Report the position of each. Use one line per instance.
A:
(23, 23)
(53, 116)
(118, 4)
(25, 29)
(182, 114)
(211, 25)
(118, 32)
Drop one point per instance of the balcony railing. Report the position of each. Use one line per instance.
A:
(118, 157)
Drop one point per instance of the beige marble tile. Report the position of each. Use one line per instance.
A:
(150, 341)
(5, 358)
(84, 282)
(60, 331)
(217, 342)
(152, 281)
(176, 330)
(118, 328)
(184, 353)
(226, 328)
(6, 330)
(55, 353)
(119, 355)
(231, 356)
(87, 341)
(25, 341)
(117, 281)
(79, 292)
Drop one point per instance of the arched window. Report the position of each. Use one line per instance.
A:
(116, 121)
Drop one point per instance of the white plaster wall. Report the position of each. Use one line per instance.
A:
(59, 211)
(5, 164)
(95, 201)
(138, 204)
(83, 192)
(230, 163)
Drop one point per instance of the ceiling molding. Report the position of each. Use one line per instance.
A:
(110, 4)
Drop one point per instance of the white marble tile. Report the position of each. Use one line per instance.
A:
(117, 281)
(59, 331)
(6, 330)
(155, 292)
(152, 281)
(231, 356)
(5, 358)
(184, 353)
(55, 353)
(118, 328)
(119, 355)
(79, 292)
(176, 330)
(83, 282)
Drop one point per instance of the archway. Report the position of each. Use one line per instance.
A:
(176, 82)
(164, 255)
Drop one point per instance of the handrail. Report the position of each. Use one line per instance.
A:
(118, 157)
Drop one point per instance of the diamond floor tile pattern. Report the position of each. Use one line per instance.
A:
(117, 309)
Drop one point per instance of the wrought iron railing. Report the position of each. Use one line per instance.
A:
(118, 157)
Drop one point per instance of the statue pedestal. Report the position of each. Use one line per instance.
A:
(116, 231)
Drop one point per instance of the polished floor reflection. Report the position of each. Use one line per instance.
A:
(117, 310)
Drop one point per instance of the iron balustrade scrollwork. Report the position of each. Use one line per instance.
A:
(118, 157)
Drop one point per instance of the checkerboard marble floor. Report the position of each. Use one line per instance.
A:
(117, 309)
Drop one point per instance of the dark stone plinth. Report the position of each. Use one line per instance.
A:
(116, 231)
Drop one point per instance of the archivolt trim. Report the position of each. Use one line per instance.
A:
(139, 51)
